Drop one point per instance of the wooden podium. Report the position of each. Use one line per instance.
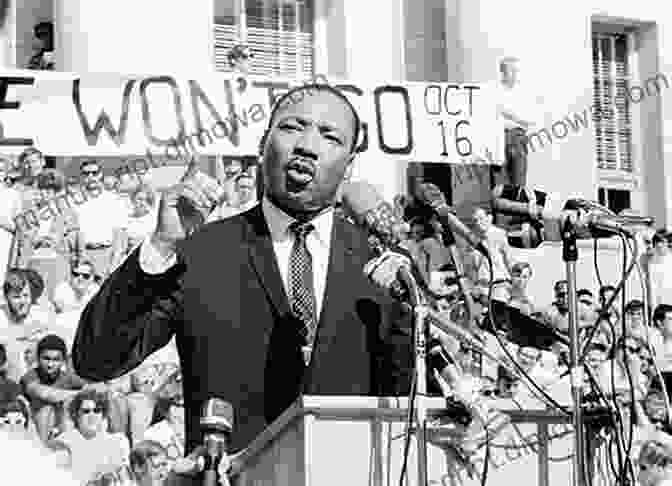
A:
(359, 441)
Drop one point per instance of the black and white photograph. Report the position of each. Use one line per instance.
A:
(335, 242)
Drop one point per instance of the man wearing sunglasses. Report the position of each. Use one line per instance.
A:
(102, 219)
(73, 295)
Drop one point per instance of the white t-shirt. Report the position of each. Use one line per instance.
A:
(519, 101)
(27, 464)
(100, 216)
(65, 298)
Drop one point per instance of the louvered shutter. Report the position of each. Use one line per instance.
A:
(279, 33)
(611, 111)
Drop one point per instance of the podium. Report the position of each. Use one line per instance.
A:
(354, 440)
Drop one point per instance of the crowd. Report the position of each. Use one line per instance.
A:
(627, 348)
(131, 430)
(127, 431)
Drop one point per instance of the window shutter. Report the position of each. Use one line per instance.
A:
(279, 33)
(611, 109)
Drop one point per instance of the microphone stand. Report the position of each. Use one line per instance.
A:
(570, 255)
(420, 309)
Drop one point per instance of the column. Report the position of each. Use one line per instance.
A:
(151, 36)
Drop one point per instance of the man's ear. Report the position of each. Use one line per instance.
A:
(349, 168)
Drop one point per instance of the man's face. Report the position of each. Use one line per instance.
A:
(92, 176)
(561, 294)
(528, 357)
(82, 277)
(635, 318)
(34, 164)
(90, 418)
(50, 362)
(245, 189)
(520, 278)
(20, 302)
(482, 220)
(307, 152)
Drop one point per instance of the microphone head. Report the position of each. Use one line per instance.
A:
(216, 416)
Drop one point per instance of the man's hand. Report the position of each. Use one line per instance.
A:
(184, 207)
(383, 270)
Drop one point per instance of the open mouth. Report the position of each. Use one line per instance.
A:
(300, 171)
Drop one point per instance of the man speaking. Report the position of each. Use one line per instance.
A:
(267, 304)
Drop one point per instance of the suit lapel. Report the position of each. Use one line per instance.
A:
(341, 272)
(262, 258)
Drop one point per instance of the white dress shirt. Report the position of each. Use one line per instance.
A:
(317, 241)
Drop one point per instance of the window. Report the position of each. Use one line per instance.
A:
(278, 32)
(612, 114)
(615, 199)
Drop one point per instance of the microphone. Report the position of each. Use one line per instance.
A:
(216, 423)
(432, 196)
(591, 219)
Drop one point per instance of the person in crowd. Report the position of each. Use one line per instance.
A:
(50, 386)
(43, 59)
(243, 199)
(21, 322)
(102, 236)
(74, 293)
(226, 173)
(32, 163)
(92, 450)
(110, 183)
(9, 389)
(477, 267)
(239, 59)
(557, 315)
(662, 323)
(168, 426)
(627, 354)
(521, 273)
(307, 152)
(655, 462)
(610, 317)
(10, 208)
(50, 246)
(587, 311)
(634, 323)
(433, 256)
(149, 464)
(518, 114)
(142, 219)
(659, 271)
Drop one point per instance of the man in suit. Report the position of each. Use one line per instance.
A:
(262, 311)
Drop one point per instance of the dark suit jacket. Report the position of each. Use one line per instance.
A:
(236, 336)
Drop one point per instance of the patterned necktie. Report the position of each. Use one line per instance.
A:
(301, 289)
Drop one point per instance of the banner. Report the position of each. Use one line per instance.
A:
(65, 114)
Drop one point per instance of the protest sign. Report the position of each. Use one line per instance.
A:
(220, 114)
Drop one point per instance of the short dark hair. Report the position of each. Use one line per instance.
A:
(88, 162)
(27, 153)
(660, 236)
(634, 305)
(242, 175)
(52, 342)
(35, 281)
(282, 102)
(99, 398)
(660, 311)
(581, 292)
(606, 288)
(557, 284)
(51, 179)
(3, 354)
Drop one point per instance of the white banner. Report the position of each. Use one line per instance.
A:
(65, 114)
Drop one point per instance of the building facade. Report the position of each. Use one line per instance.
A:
(598, 70)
